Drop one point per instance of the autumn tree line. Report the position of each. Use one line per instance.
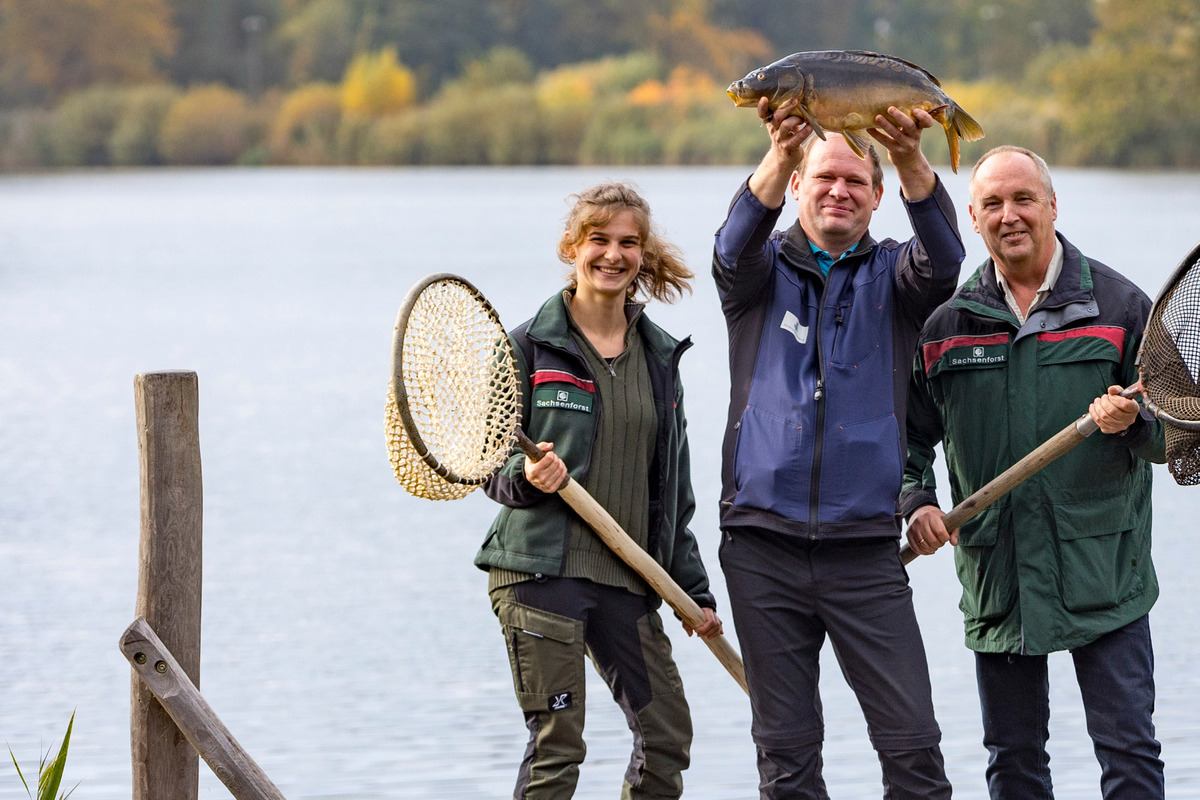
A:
(177, 82)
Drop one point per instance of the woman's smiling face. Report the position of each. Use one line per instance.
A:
(608, 258)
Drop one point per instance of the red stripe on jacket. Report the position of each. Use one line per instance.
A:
(548, 375)
(1110, 333)
(935, 350)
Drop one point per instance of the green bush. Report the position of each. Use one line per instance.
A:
(1007, 115)
(25, 139)
(562, 133)
(621, 134)
(206, 126)
(83, 124)
(512, 128)
(134, 140)
(622, 74)
(393, 140)
(352, 139)
(500, 66)
(305, 128)
(722, 139)
(453, 131)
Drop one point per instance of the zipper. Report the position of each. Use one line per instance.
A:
(517, 662)
(837, 329)
(814, 488)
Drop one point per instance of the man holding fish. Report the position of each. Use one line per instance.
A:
(823, 322)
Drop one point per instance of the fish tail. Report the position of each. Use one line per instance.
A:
(964, 124)
(952, 140)
(959, 125)
(944, 114)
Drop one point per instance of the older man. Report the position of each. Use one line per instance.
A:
(823, 321)
(1038, 334)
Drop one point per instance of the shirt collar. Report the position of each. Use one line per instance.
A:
(1053, 270)
(824, 260)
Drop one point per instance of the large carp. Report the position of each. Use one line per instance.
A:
(844, 90)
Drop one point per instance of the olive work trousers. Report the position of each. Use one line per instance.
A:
(549, 626)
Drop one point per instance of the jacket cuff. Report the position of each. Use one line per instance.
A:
(913, 499)
(1138, 433)
(935, 224)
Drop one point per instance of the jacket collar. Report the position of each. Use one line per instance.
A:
(550, 325)
(797, 251)
(1071, 299)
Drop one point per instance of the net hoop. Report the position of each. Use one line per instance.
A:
(1169, 367)
(454, 399)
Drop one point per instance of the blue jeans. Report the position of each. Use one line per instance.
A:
(1116, 680)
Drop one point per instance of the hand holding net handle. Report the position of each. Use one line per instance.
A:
(1006, 481)
(640, 562)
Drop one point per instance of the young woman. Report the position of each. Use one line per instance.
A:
(602, 397)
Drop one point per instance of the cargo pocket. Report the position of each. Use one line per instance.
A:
(986, 567)
(546, 654)
(1099, 555)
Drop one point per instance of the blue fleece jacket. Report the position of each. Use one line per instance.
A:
(815, 441)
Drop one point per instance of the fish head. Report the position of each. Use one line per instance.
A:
(779, 82)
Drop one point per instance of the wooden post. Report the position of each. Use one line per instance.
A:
(160, 672)
(169, 572)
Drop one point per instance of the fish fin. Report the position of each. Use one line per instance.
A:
(859, 143)
(811, 120)
(869, 55)
(802, 107)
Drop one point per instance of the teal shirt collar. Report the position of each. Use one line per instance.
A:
(826, 261)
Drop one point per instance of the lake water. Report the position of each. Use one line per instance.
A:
(347, 640)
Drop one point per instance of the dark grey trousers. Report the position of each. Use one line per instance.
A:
(549, 626)
(787, 596)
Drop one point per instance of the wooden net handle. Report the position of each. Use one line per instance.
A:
(640, 562)
(1006, 481)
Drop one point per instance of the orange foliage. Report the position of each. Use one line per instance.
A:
(686, 88)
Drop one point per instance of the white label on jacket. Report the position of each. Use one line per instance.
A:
(792, 325)
(568, 398)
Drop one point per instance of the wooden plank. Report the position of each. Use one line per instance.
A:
(156, 668)
(169, 572)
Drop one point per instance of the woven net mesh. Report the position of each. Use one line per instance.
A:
(1170, 367)
(463, 394)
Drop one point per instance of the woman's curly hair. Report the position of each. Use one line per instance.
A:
(662, 275)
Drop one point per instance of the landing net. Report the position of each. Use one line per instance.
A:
(454, 402)
(1170, 369)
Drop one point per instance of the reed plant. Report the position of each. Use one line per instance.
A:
(50, 771)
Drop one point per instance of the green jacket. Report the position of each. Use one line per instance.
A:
(1065, 557)
(532, 530)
